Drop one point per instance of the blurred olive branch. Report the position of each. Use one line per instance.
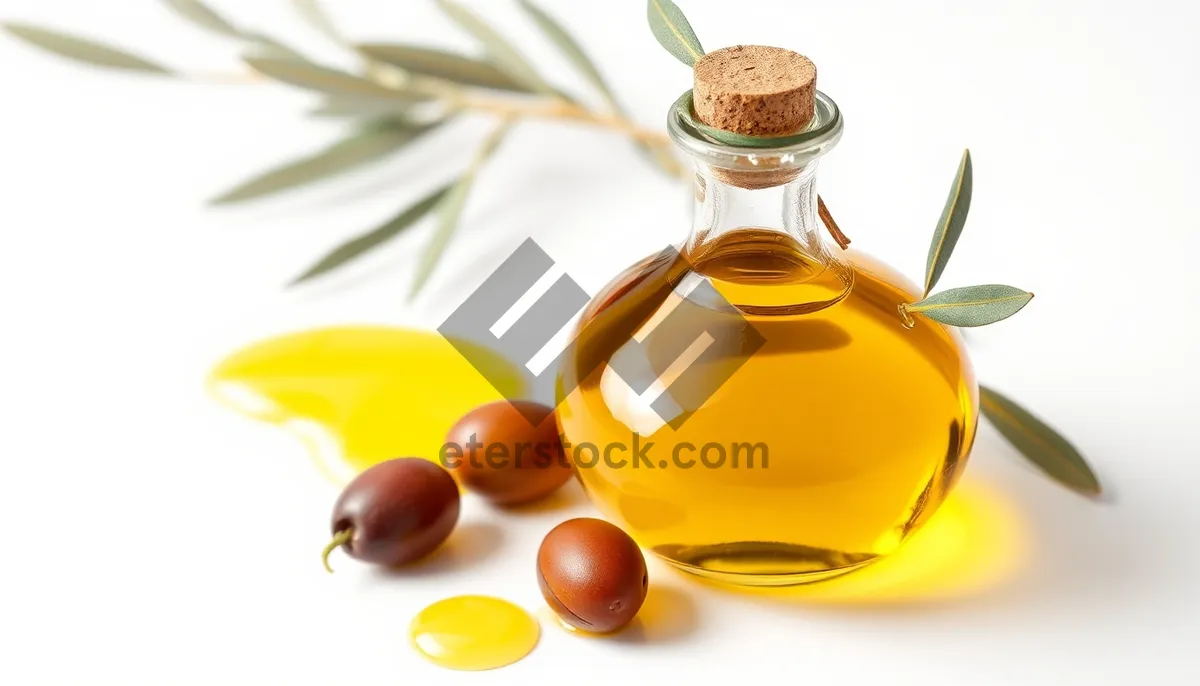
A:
(397, 95)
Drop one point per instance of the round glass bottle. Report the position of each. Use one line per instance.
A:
(808, 430)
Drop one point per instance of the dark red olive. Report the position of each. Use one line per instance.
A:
(592, 574)
(508, 452)
(395, 512)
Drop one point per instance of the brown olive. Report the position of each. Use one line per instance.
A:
(507, 452)
(395, 512)
(592, 574)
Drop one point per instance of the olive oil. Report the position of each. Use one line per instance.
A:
(361, 395)
(473, 633)
(858, 424)
(769, 272)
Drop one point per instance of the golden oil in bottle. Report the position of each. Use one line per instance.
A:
(828, 446)
(834, 427)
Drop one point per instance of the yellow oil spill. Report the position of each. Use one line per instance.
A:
(360, 395)
(473, 633)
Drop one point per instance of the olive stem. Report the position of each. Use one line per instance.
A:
(339, 539)
(827, 219)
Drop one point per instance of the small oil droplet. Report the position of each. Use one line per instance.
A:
(473, 633)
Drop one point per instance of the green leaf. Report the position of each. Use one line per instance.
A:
(1040, 444)
(82, 50)
(204, 17)
(502, 52)
(950, 226)
(573, 51)
(673, 31)
(973, 305)
(575, 54)
(443, 65)
(325, 80)
(315, 15)
(357, 247)
(684, 107)
(267, 46)
(451, 207)
(365, 146)
(346, 106)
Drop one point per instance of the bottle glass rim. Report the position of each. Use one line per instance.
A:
(774, 154)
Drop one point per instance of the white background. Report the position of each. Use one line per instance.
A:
(152, 537)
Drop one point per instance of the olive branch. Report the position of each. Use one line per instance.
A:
(398, 94)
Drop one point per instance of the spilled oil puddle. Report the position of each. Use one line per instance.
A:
(360, 395)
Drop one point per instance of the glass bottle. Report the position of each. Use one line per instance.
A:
(813, 433)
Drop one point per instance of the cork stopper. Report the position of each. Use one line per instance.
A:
(756, 91)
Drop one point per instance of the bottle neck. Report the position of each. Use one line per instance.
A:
(788, 209)
(763, 248)
(755, 226)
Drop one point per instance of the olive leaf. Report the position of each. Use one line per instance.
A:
(1040, 444)
(365, 146)
(950, 225)
(349, 106)
(315, 15)
(203, 16)
(82, 50)
(357, 247)
(575, 54)
(324, 79)
(206, 18)
(505, 55)
(672, 31)
(443, 65)
(972, 305)
(572, 50)
(266, 46)
(451, 207)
